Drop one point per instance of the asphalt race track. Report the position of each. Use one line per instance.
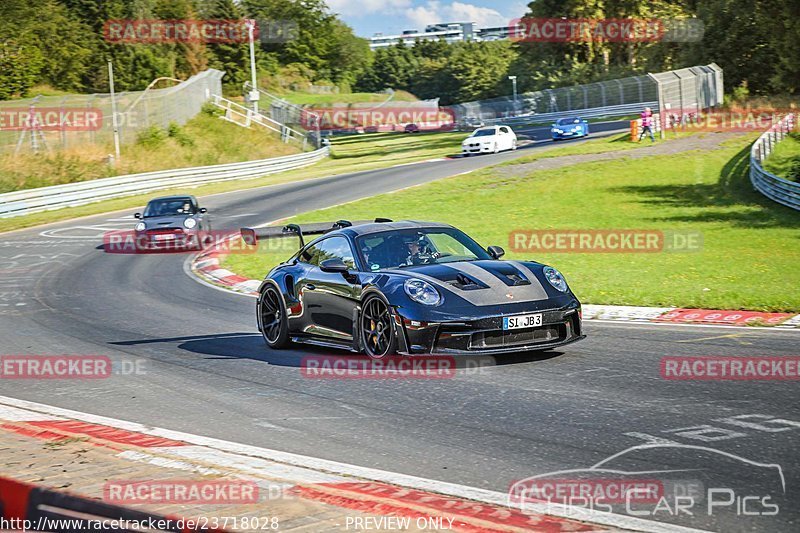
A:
(205, 370)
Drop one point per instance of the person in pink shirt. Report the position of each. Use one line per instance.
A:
(647, 124)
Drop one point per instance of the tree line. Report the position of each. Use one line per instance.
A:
(755, 43)
(61, 43)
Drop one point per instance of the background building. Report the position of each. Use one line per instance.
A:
(449, 31)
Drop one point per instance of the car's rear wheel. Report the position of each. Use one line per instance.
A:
(377, 332)
(272, 318)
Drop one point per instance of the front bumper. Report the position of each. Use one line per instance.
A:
(168, 239)
(485, 336)
(476, 149)
(567, 134)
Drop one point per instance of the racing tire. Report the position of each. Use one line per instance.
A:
(272, 318)
(376, 328)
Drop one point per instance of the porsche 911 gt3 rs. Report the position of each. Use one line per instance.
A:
(409, 287)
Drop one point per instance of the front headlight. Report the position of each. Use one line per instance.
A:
(140, 226)
(558, 130)
(422, 292)
(555, 278)
(190, 223)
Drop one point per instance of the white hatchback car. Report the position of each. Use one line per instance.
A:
(489, 139)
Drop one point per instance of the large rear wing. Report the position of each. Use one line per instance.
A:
(251, 236)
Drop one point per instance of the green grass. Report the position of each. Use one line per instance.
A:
(750, 251)
(345, 98)
(204, 140)
(349, 154)
(784, 161)
(603, 145)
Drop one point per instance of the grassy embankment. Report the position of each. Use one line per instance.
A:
(749, 253)
(784, 161)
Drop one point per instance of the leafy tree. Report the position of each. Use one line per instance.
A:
(314, 37)
(232, 58)
(45, 43)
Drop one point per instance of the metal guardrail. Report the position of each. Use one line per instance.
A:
(773, 187)
(74, 194)
(597, 112)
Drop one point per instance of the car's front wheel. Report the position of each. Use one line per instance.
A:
(377, 332)
(272, 318)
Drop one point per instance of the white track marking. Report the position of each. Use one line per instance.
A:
(14, 414)
(640, 323)
(256, 456)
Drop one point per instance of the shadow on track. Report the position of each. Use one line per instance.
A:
(251, 346)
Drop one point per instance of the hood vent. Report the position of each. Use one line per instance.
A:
(466, 283)
(516, 279)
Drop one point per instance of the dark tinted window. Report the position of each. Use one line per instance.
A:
(397, 248)
(162, 208)
(331, 248)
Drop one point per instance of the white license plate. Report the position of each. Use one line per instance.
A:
(164, 237)
(522, 321)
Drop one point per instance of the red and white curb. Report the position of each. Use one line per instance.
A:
(205, 266)
(367, 490)
(679, 315)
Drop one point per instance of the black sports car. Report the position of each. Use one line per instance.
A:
(411, 288)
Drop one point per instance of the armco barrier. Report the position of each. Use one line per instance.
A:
(74, 194)
(773, 187)
(24, 505)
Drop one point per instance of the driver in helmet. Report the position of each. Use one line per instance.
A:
(419, 250)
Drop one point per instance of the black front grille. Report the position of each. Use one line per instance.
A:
(500, 338)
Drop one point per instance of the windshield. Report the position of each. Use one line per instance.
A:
(169, 208)
(568, 121)
(484, 132)
(425, 246)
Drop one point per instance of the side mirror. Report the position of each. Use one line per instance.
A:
(496, 252)
(137, 215)
(334, 265)
(203, 210)
(249, 236)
